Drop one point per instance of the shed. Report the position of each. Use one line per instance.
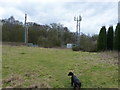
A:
(69, 45)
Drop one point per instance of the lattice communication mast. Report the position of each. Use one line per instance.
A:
(78, 19)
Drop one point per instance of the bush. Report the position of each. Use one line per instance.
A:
(88, 43)
(76, 48)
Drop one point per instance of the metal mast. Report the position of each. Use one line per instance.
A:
(26, 30)
(78, 19)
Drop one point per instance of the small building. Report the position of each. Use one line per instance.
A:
(69, 45)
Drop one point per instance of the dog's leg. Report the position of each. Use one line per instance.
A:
(71, 81)
(77, 87)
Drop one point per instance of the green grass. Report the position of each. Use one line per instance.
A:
(43, 67)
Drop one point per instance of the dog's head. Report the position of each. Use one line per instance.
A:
(70, 74)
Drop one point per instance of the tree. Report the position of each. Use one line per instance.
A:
(110, 38)
(102, 39)
(119, 37)
(116, 37)
(12, 32)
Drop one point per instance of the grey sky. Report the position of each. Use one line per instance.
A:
(94, 14)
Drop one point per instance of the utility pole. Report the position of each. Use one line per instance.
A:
(78, 19)
(26, 30)
(1, 24)
(119, 12)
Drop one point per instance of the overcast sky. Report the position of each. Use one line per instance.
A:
(94, 14)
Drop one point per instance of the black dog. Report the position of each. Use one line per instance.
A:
(75, 81)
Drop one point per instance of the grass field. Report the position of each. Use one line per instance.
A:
(43, 67)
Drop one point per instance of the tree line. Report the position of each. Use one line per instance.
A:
(57, 35)
(53, 35)
(109, 39)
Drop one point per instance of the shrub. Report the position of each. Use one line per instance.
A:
(88, 43)
(76, 48)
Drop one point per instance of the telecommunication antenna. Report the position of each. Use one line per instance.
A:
(78, 19)
(26, 30)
